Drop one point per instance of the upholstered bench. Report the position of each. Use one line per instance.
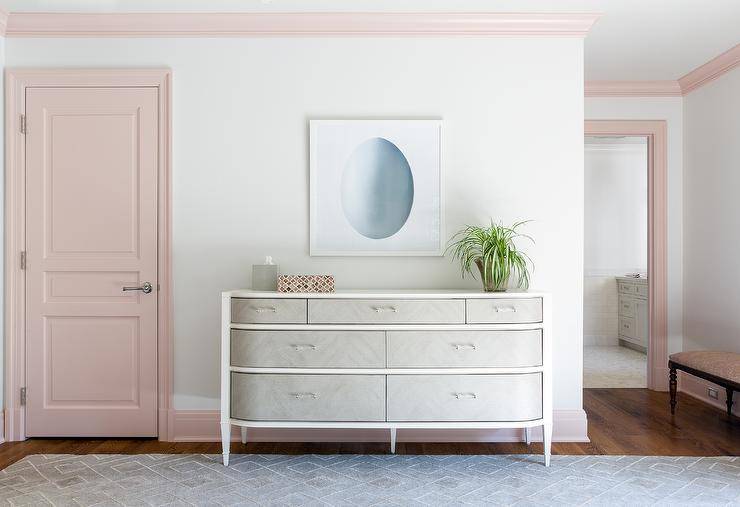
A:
(721, 368)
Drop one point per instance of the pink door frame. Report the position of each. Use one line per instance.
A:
(656, 132)
(16, 82)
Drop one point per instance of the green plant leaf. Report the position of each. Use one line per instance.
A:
(493, 251)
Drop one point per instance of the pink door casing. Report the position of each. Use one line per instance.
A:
(91, 229)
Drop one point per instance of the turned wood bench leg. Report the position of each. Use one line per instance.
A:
(729, 401)
(672, 385)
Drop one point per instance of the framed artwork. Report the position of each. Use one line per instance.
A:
(376, 187)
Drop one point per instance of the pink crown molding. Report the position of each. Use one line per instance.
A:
(315, 24)
(711, 70)
(697, 78)
(632, 89)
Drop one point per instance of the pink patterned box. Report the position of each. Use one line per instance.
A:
(305, 283)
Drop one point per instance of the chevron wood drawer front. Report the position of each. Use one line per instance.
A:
(464, 349)
(386, 311)
(266, 397)
(307, 349)
(465, 397)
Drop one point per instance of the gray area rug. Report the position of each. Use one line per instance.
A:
(191, 479)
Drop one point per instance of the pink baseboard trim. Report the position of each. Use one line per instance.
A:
(203, 426)
(697, 388)
(711, 70)
(632, 89)
(314, 24)
(2, 426)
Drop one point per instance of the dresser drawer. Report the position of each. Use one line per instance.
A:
(632, 288)
(261, 397)
(504, 311)
(641, 289)
(516, 397)
(626, 306)
(268, 311)
(307, 349)
(386, 311)
(627, 327)
(464, 349)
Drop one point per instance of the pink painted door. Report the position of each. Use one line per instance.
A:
(91, 229)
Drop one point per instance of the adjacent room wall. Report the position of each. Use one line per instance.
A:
(712, 223)
(712, 215)
(671, 110)
(615, 226)
(240, 163)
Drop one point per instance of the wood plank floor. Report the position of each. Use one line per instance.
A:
(621, 421)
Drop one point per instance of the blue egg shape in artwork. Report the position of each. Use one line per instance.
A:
(377, 189)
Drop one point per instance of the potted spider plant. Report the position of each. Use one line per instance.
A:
(494, 252)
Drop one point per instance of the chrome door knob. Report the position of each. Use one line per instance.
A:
(146, 288)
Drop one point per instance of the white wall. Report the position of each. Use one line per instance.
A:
(615, 240)
(671, 110)
(240, 161)
(615, 208)
(712, 215)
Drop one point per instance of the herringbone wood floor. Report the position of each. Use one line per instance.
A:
(621, 421)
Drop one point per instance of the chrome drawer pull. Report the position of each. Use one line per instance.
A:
(465, 396)
(263, 309)
(379, 309)
(301, 396)
(505, 309)
(300, 346)
(464, 346)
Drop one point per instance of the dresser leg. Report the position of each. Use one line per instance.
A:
(393, 440)
(244, 434)
(225, 441)
(547, 441)
(527, 436)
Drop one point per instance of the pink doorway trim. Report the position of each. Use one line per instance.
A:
(16, 82)
(656, 132)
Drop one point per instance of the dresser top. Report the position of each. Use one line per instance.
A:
(385, 294)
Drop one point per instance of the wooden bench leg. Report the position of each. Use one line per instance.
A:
(729, 401)
(672, 385)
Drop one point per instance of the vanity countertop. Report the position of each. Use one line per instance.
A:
(642, 279)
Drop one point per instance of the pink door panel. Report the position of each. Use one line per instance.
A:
(91, 357)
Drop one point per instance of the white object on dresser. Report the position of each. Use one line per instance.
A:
(634, 324)
(391, 360)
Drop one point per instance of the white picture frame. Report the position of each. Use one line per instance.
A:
(376, 188)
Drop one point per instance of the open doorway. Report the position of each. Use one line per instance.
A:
(616, 311)
(656, 132)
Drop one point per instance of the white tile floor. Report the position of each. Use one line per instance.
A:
(613, 366)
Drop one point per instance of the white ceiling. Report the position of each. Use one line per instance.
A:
(634, 40)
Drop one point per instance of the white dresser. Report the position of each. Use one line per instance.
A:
(634, 322)
(392, 360)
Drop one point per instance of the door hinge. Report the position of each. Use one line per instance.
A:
(23, 395)
(23, 124)
(23, 259)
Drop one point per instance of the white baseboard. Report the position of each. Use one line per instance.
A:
(697, 388)
(203, 426)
